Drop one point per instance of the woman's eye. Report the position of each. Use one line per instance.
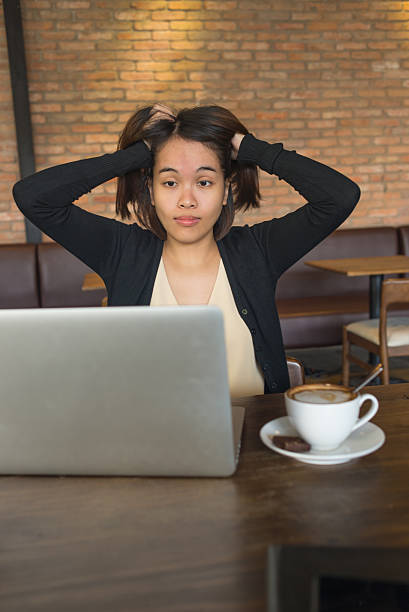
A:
(204, 183)
(170, 183)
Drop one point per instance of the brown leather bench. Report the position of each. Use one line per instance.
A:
(18, 276)
(60, 277)
(44, 275)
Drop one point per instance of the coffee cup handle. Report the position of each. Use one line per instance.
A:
(370, 413)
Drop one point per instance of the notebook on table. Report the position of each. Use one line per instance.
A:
(116, 391)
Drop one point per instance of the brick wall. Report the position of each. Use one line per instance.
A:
(329, 78)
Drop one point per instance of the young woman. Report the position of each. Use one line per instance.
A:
(184, 175)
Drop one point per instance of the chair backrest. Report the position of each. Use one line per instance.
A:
(295, 372)
(395, 292)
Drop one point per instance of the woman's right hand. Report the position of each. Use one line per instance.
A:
(158, 112)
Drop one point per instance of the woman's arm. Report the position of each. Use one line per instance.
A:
(331, 197)
(46, 198)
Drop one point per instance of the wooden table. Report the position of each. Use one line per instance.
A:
(176, 544)
(374, 267)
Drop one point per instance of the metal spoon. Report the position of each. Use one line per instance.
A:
(373, 374)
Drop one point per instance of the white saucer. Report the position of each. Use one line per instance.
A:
(365, 440)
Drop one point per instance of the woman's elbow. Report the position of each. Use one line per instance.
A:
(21, 196)
(356, 194)
(17, 191)
(351, 197)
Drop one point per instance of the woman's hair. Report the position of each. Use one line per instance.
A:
(213, 126)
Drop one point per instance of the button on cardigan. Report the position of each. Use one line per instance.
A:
(127, 257)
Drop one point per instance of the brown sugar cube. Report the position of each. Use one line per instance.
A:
(291, 443)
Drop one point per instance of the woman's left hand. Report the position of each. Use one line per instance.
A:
(158, 112)
(235, 143)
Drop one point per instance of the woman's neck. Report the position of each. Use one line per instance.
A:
(191, 255)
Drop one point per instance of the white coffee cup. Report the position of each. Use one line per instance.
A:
(324, 414)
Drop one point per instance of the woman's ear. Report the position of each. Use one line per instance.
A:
(150, 187)
(227, 187)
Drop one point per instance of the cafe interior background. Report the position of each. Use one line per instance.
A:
(328, 78)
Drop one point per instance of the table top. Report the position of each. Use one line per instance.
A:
(197, 544)
(362, 266)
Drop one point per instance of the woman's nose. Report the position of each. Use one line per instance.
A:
(185, 204)
(187, 199)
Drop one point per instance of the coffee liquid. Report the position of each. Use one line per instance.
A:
(323, 396)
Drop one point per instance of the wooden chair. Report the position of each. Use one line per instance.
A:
(295, 372)
(386, 336)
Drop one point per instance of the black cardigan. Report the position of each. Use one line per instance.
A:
(127, 257)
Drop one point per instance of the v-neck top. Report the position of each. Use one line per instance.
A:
(245, 378)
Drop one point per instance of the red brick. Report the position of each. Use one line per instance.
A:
(168, 35)
(151, 25)
(99, 138)
(322, 26)
(134, 35)
(135, 75)
(113, 94)
(168, 15)
(99, 117)
(85, 149)
(73, 4)
(167, 55)
(228, 5)
(47, 108)
(185, 5)
(170, 76)
(153, 66)
(79, 46)
(187, 45)
(154, 5)
(186, 25)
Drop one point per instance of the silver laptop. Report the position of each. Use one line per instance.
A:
(116, 391)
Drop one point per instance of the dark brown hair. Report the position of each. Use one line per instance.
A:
(213, 126)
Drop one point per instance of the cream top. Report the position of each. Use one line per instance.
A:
(245, 377)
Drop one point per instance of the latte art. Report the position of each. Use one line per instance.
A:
(323, 396)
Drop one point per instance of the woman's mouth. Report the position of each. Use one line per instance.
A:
(187, 221)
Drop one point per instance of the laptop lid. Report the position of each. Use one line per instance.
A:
(116, 391)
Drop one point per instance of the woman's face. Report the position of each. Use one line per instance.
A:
(188, 190)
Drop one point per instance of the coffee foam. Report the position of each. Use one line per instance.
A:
(323, 396)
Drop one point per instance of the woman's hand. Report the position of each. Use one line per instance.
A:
(158, 112)
(235, 143)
